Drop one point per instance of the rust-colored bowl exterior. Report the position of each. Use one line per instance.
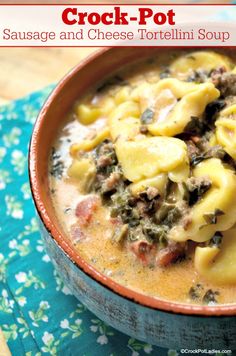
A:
(159, 322)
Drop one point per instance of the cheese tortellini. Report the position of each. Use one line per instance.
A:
(159, 182)
(218, 264)
(124, 120)
(200, 60)
(192, 104)
(226, 130)
(220, 197)
(87, 114)
(147, 157)
(174, 102)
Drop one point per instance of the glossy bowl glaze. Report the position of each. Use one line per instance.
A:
(167, 324)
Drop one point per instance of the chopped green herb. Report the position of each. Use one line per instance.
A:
(211, 218)
(195, 126)
(173, 217)
(195, 292)
(147, 116)
(216, 240)
(165, 73)
(57, 166)
(212, 109)
(214, 152)
(197, 159)
(136, 234)
(210, 297)
(197, 191)
(120, 233)
(123, 207)
(163, 211)
(198, 76)
(154, 232)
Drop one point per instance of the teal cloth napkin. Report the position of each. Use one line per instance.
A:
(38, 313)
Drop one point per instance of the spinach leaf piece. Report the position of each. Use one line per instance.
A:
(211, 218)
(216, 240)
(210, 296)
(195, 126)
(147, 116)
(195, 292)
(57, 166)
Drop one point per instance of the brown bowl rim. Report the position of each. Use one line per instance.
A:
(131, 295)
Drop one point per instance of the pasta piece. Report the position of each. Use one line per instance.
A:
(226, 130)
(191, 105)
(178, 88)
(170, 116)
(218, 265)
(159, 182)
(179, 174)
(107, 104)
(150, 156)
(212, 140)
(220, 197)
(122, 95)
(87, 114)
(148, 95)
(184, 66)
(83, 170)
(229, 112)
(226, 135)
(124, 120)
(88, 145)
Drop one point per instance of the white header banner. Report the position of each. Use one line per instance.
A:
(117, 25)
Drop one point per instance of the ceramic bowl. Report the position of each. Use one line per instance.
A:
(163, 323)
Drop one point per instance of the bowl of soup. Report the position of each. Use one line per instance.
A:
(132, 171)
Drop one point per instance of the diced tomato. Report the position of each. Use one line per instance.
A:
(170, 254)
(85, 209)
(143, 250)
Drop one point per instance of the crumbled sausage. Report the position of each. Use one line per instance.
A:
(216, 74)
(104, 161)
(141, 207)
(111, 182)
(225, 82)
(195, 182)
(192, 149)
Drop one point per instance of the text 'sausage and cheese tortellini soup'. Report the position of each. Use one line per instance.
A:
(142, 177)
